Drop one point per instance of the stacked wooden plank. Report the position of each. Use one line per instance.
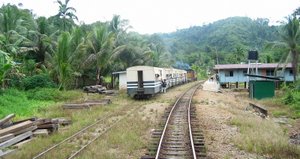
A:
(20, 132)
(86, 104)
(94, 89)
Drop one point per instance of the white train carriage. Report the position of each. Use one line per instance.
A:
(168, 76)
(182, 76)
(144, 81)
(179, 76)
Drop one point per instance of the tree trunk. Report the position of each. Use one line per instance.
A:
(295, 56)
(98, 76)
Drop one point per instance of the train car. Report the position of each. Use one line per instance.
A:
(191, 75)
(145, 81)
(168, 76)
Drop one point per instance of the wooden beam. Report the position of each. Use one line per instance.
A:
(22, 143)
(16, 139)
(6, 152)
(259, 109)
(6, 119)
(6, 137)
(32, 128)
(21, 121)
(41, 132)
(76, 106)
(16, 128)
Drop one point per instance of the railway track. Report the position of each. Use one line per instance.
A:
(180, 136)
(72, 146)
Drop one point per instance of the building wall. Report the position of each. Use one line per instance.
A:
(288, 76)
(122, 81)
(238, 75)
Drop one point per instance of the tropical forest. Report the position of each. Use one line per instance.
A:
(46, 61)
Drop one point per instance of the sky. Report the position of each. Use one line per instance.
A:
(162, 16)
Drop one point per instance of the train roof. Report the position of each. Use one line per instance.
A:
(142, 68)
(152, 68)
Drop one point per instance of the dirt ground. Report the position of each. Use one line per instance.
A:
(215, 110)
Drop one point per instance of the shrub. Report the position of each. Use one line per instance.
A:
(16, 101)
(54, 94)
(36, 81)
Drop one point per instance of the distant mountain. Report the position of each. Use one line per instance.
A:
(225, 35)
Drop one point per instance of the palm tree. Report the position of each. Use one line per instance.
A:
(66, 59)
(101, 43)
(290, 40)
(66, 13)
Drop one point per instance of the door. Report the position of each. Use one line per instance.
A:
(140, 79)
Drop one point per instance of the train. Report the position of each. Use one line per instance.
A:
(146, 81)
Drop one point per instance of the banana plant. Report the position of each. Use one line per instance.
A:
(5, 65)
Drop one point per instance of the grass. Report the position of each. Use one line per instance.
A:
(278, 108)
(28, 103)
(263, 137)
(80, 119)
(128, 139)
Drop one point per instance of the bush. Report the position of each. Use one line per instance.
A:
(53, 94)
(16, 101)
(36, 81)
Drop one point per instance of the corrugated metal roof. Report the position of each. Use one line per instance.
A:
(245, 66)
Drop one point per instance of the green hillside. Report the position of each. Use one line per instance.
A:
(224, 36)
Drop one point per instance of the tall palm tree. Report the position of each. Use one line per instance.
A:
(102, 48)
(66, 58)
(290, 40)
(66, 13)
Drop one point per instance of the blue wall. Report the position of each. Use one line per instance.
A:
(238, 76)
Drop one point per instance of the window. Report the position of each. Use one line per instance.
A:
(244, 72)
(270, 72)
(229, 74)
(291, 73)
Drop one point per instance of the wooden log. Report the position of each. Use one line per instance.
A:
(7, 124)
(6, 119)
(16, 139)
(28, 119)
(259, 109)
(16, 128)
(76, 106)
(94, 104)
(5, 152)
(22, 143)
(6, 137)
(61, 121)
(32, 128)
(48, 126)
(43, 121)
(41, 132)
(102, 101)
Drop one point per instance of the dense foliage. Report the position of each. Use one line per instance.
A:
(73, 55)
(68, 53)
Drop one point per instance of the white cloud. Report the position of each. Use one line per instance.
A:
(149, 16)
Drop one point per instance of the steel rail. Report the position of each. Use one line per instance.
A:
(76, 134)
(68, 138)
(167, 122)
(190, 125)
(94, 139)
